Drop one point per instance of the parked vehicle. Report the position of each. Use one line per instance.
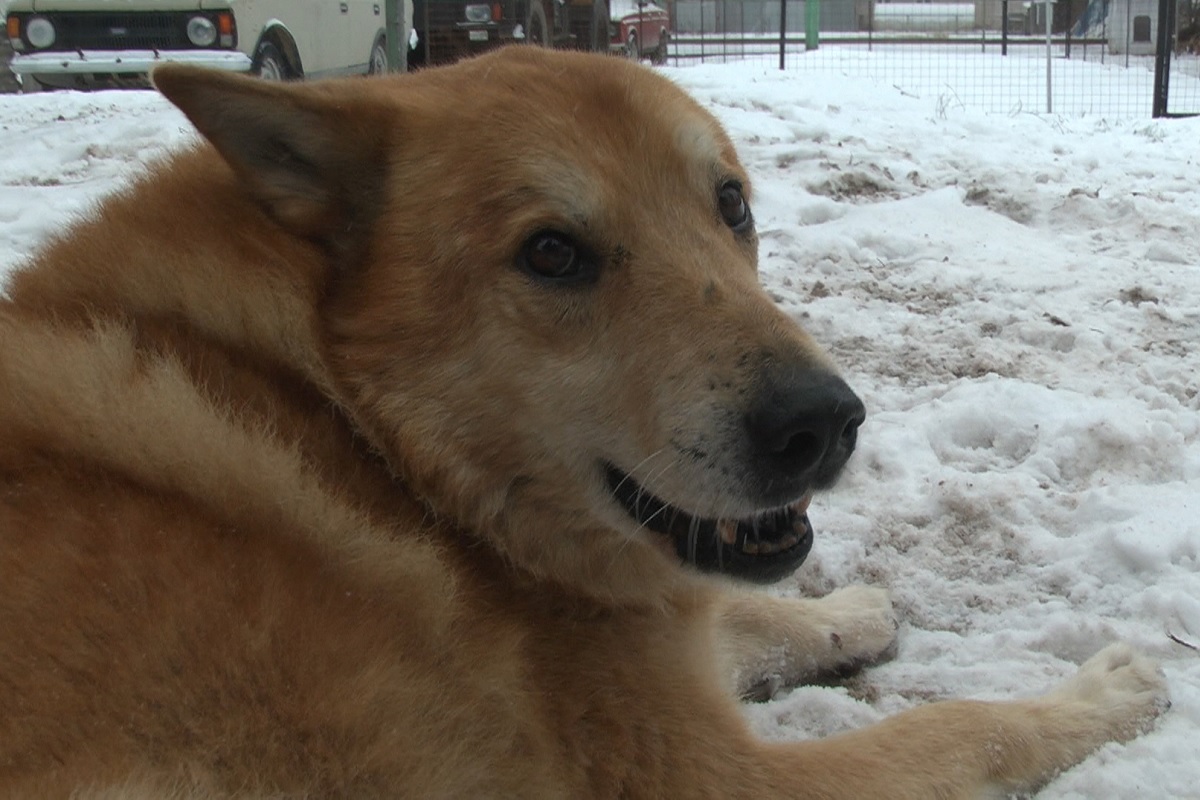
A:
(450, 29)
(85, 43)
(639, 29)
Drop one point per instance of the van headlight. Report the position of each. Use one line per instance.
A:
(479, 13)
(40, 32)
(201, 31)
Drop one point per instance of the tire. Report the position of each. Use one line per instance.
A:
(269, 63)
(379, 58)
(30, 85)
(659, 56)
(537, 31)
(632, 51)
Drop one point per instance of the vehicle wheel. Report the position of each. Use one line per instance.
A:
(659, 56)
(599, 28)
(379, 58)
(536, 28)
(271, 65)
(30, 85)
(632, 51)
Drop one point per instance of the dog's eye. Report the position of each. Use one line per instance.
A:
(734, 209)
(552, 255)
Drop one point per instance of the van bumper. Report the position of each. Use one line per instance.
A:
(117, 66)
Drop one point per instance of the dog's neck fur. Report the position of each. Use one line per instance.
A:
(266, 307)
(249, 287)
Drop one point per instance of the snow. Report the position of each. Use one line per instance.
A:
(617, 9)
(1016, 298)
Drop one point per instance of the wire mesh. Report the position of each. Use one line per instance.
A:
(1184, 74)
(1078, 57)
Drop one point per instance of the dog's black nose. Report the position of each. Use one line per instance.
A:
(802, 427)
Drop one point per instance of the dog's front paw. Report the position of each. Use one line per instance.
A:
(861, 626)
(773, 642)
(1121, 689)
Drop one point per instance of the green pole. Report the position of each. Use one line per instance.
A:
(397, 43)
(812, 23)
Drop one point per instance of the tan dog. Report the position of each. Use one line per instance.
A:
(395, 445)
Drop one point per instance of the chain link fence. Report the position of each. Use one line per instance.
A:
(1100, 57)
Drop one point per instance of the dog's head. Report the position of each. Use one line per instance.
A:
(542, 306)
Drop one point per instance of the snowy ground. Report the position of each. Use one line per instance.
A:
(1017, 299)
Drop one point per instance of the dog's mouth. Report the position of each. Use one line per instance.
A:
(763, 548)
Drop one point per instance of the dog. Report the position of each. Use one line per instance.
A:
(421, 436)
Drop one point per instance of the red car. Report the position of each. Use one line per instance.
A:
(639, 29)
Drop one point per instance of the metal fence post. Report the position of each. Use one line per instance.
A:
(397, 43)
(1067, 33)
(782, 33)
(724, 26)
(1049, 9)
(1128, 31)
(1003, 27)
(1162, 58)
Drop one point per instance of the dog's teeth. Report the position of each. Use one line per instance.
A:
(788, 541)
(801, 505)
(728, 530)
(750, 547)
(802, 527)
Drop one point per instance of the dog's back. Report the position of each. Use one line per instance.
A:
(209, 581)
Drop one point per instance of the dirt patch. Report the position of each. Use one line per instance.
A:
(1136, 296)
(999, 202)
(862, 184)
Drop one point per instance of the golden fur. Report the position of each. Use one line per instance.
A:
(299, 492)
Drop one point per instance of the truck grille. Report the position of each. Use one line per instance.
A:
(445, 41)
(127, 31)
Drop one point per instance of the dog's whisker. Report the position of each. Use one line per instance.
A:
(693, 537)
(628, 477)
(640, 491)
(647, 460)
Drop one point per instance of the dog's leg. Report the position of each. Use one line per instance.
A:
(766, 642)
(965, 749)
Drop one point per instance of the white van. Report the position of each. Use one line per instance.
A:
(85, 43)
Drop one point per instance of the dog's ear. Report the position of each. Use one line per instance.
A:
(314, 164)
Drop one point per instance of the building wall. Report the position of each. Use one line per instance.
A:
(1129, 18)
(762, 16)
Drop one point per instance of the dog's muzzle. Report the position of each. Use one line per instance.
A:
(799, 433)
